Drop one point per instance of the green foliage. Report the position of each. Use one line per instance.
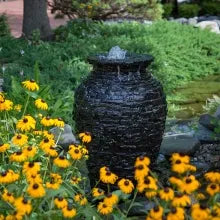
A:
(211, 7)
(188, 10)
(102, 9)
(4, 27)
(181, 54)
(167, 10)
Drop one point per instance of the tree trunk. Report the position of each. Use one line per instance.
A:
(35, 17)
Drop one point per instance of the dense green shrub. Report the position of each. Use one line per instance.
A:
(181, 53)
(188, 10)
(167, 10)
(211, 7)
(102, 9)
(4, 27)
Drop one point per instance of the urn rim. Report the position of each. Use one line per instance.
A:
(130, 59)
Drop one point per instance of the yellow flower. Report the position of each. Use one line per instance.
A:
(8, 197)
(141, 171)
(181, 200)
(86, 137)
(156, 212)
(31, 168)
(8, 177)
(150, 193)
(6, 105)
(145, 183)
(111, 199)
(189, 184)
(30, 151)
(68, 211)
(126, 186)
(59, 122)
(199, 212)
(213, 177)
(166, 194)
(48, 135)
(176, 213)
(46, 143)
(47, 121)
(62, 162)
(26, 123)
(18, 107)
(18, 156)
(175, 181)
(55, 181)
(179, 167)
(200, 196)
(15, 216)
(179, 156)
(23, 205)
(60, 202)
(80, 199)
(75, 180)
(212, 189)
(104, 208)
(4, 147)
(51, 151)
(96, 192)
(75, 153)
(142, 160)
(216, 209)
(20, 139)
(41, 104)
(31, 85)
(33, 178)
(108, 177)
(2, 217)
(36, 190)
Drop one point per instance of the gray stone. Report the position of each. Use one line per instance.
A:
(181, 20)
(217, 113)
(147, 22)
(67, 137)
(211, 25)
(208, 121)
(180, 143)
(208, 18)
(192, 21)
(206, 136)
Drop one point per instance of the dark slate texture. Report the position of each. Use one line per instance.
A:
(124, 108)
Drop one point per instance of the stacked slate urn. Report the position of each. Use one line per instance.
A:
(124, 108)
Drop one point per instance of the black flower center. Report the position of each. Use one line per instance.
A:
(42, 101)
(29, 148)
(188, 180)
(156, 208)
(19, 136)
(108, 173)
(166, 190)
(4, 173)
(146, 180)
(35, 186)
(31, 164)
(46, 140)
(61, 157)
(9, 194)
(140, 167)
(60, 199)
(203, 206)
(173, 210)
(126, 182)
(25, 201)
(99, 191)
(178, 162)
(19, 153)
(104, 206)
(213, 186)
(25, 120)
(76, 151)
(32, 81)
(141, 157)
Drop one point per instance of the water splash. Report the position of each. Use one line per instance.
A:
(116, 53)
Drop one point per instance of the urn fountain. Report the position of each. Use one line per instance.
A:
(124, 108)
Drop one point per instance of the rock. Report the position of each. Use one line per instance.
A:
(212, 25)
(206, 136)
(208, 121)
(208, 18)
(181, 20)
(181, 143)
(192, 21)
(147, 22)
(67, 137)
(217, 113)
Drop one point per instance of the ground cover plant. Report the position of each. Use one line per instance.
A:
(41, 180)
(182, 53)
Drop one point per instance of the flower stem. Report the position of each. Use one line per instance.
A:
(132, 202)
(26, 104)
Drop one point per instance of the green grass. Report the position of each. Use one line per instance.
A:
(182, 53)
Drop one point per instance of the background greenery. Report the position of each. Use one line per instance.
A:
(182, 53)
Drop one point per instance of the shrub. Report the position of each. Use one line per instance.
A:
(188, 10)
(211, 7)
(4, 27)
(167, 10)
(101, 9)
(39, 179)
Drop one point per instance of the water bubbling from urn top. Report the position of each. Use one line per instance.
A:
(115, 53)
